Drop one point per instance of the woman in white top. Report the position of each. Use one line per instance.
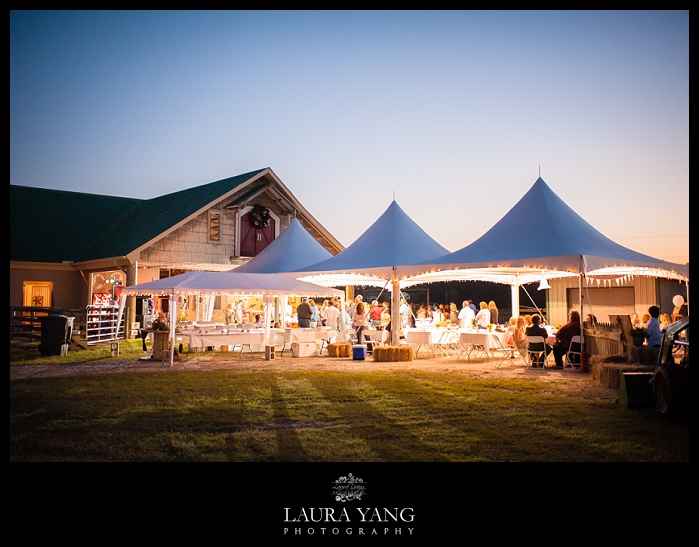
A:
(360, 320)
(483, 316)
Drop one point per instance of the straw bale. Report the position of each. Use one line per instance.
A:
(608, 370)
(392, 354)
(340, 349)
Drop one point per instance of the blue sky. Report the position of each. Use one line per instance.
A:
(453, 112)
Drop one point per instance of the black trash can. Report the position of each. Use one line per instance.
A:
(56, 333)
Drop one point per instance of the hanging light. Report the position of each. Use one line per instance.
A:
(543, 284)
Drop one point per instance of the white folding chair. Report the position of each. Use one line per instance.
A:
(577, 339)
(506, 354)
(536, 350)
(448, 344)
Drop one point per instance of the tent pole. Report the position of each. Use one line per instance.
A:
(395, 308)
(580, 289)
(514, 292)
(173, 320)
(267, 303)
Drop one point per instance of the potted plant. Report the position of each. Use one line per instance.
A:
(638, 335)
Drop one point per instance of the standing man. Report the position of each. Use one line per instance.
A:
(564, 335)
(466, 316)
(472, 306)
(304, 314)
(404, 314)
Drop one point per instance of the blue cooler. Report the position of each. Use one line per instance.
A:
(359, 352)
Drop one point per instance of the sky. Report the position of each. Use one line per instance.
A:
(454, 114)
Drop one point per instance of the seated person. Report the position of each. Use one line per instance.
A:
(537, 330)
(564, 336)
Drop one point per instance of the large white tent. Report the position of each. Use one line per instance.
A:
(540, 237)
(265, 285)
(393, 240)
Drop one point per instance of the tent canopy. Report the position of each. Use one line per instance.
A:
(541, 234)
(293, 249)
(222, 283)
(393, 240)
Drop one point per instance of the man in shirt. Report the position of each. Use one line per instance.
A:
(304, 314)
(564, 336)
(655, 337)
(466, 316)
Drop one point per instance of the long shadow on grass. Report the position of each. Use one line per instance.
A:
(389, 441)
(287, 438)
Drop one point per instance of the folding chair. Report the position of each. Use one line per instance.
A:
(575, 340)
(536, 350)
(448, 344)
(507, 354)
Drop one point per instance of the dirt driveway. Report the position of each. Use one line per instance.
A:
(566, 379)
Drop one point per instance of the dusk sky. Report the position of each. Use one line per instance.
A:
(453, 112)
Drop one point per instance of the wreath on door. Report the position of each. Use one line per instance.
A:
(259, 216)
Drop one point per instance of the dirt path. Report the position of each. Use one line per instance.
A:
(566, 379)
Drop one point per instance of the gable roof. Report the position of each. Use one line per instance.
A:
(562, 244)
(57, 225)
(293, 249)
(393, 240)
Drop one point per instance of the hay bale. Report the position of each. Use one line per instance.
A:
(340, 349)
(393, 354)
(609, 374)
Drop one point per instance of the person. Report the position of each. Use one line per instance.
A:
(527, 320)
(664, 320)
(453, 314)
(375, 313)
(472, 306)
(360, 319)
(564, 335)
(437, 314)
(428, 312)
(228, 313)
(321, 313)
(494, 319)
(590, 318)
(635, 320)
(421, 314)
(483, 316)
(519, 336)
(466, 316)
(353, 306)
(332, 317)
(314, 312)
(680, 309)
(304, 314)
(655, 337)
(385, 315)
(151, 306)
(238, 312)
(644, 319)
(537, 330)
(404, 312)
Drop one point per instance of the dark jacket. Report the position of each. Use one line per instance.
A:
(304, 310)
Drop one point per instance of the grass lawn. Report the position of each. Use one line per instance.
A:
(322, 416)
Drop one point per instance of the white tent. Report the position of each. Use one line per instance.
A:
(265, 285)
(293, 249)
(540, 237)
(392, 241)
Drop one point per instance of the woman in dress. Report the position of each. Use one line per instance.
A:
(519, 336)
(493, 312)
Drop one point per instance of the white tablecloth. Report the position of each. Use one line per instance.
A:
(482, 338)
(206, 339)
(376, 335)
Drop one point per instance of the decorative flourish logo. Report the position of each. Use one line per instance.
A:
(349, 488)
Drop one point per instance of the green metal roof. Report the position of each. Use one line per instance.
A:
(57, 226)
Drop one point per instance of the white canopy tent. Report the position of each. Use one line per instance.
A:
(392, 241)
(541, 237)
(265, 285)
(293, 249)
